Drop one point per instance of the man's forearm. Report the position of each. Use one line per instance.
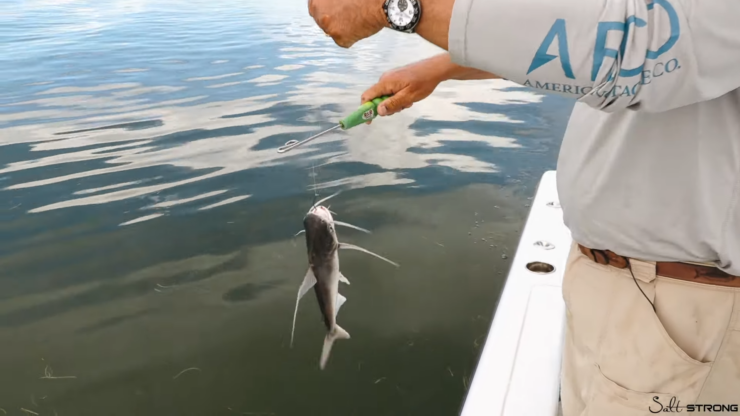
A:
(450, 70)
(434, 25)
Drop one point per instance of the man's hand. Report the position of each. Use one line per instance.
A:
(407, 85)
(417, 81)
(348, 21)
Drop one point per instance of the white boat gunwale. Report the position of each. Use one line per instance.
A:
(518, 371)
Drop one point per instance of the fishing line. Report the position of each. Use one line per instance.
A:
(315, 189)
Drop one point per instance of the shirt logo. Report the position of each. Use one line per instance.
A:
(601, 52)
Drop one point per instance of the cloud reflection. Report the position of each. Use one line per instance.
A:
(224, 202)
(141, 219)
(219, 129)
(172, 203)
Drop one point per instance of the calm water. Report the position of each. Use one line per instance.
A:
(147, 265)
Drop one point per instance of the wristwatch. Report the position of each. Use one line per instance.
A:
(402, 15)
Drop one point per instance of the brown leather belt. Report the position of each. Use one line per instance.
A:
(682, 271)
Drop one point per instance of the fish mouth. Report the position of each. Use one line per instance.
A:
(320, 235)
(316, 219)
(319, 215)
(320, 211)
(318, 225)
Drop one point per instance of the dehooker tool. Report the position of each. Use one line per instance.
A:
(365, 113)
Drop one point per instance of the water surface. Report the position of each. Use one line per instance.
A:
(147, 264)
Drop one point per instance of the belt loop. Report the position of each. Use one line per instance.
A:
(643, 270)
(600, 257)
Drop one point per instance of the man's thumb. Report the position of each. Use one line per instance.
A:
(394, 104)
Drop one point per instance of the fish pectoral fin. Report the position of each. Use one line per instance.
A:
(335, 334)
(340, 301)
(348, 225)
(343, 278)
(308, 281)
(348, 246)
(299, 233)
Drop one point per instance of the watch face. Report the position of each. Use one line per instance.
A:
(402, 13)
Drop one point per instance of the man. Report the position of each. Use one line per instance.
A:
(648, 174)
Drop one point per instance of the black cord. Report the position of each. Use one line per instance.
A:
(629, 266)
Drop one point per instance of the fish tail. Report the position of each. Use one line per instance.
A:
(335, 334)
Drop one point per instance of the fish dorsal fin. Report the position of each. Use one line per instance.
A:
(340, 301)
(348, 225)
(343, 278)
(348, 246)
(308, 281)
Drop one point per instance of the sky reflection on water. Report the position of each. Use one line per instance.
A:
(146, 217)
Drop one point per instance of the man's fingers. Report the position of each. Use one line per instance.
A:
(377, 90)
(394, 104)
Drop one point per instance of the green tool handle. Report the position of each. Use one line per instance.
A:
(365, 113)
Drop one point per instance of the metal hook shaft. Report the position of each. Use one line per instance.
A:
(292, 144)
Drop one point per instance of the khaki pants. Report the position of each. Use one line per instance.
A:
(622, 358)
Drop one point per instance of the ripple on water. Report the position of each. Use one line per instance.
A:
(146, 215)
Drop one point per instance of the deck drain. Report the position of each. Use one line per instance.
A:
(553, 204)
(540, 267)
(544, 244)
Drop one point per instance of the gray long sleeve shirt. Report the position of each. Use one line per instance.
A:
(650, 163)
